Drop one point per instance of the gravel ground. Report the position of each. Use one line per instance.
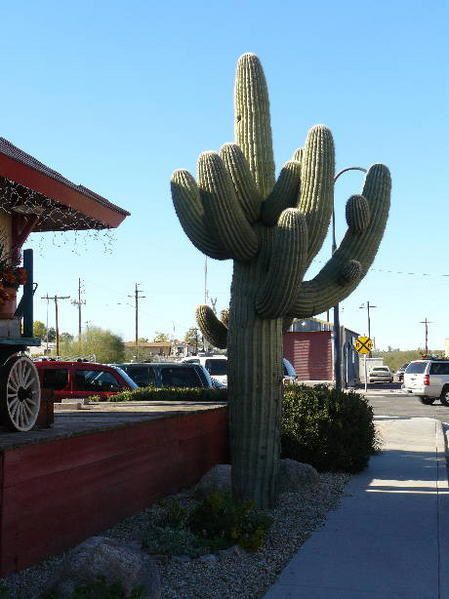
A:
(230, 574)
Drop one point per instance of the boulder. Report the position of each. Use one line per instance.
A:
(294, 476)
(217, 479)
(108, 558)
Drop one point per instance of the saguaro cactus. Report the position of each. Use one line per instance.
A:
(272, 229)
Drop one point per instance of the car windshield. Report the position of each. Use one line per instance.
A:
(217, 367)
(126, 377)
(416, 368)
(381, 369)
(288, 368)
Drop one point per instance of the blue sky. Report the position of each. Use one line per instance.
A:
(116, 95)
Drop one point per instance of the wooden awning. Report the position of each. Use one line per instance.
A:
(30, 188)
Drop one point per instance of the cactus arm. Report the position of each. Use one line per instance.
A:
(317, 185)
(252, 127)
(367, 217)
(223, 210)
(213, 329)
(287, 265)
(284, 194)
(244, 185)
(190, 211)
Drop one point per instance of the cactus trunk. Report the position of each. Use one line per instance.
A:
(255, 390)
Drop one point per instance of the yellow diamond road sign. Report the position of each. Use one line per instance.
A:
(363, 345)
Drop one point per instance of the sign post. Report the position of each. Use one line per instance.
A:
(364, 345)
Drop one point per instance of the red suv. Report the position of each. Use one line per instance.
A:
(82, 379)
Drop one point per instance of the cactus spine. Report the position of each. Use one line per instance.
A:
(272, 230)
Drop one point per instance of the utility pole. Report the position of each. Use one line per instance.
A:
(426, 323)
(79, 302)
(137, 296)
(56, 298)
(368, 307)
(48, 302)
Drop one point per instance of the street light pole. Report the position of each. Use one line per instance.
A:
(368, 308)
(337, 341)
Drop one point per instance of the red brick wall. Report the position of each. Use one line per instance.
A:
(55, 494)
(311, 354)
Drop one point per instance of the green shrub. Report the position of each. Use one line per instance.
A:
(100, 589)
(225, 522)
(217, 522)
(175, 394)
(333, 431)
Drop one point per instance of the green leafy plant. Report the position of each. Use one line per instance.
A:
(99, 589)
(215, 523)
(332, 431)
(225, 522)
(175, 394)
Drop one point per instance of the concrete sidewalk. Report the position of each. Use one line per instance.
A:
(389, 538)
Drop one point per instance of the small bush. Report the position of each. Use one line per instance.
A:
(100, 589)
(167, 394)
(225, 522)
(333, 431)
(217, 522)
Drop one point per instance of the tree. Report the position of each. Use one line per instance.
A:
(271, 230)
(103, 344)
(65, 338)
(161, 337)
(51, 334)
(191, 336)
(39, 329)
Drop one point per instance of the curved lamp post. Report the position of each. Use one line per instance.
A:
(337, 344)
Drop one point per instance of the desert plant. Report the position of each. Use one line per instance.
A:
(331, 430)
(225, 522)
(272, 230)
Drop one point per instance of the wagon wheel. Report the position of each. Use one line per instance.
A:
(20, 393)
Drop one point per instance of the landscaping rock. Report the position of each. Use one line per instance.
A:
(217, 479)
(108, 558)
(294, 476)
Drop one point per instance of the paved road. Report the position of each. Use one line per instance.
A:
(395, 403)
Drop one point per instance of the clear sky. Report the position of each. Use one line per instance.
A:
(116, 95)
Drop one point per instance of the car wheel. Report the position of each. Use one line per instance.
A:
(444, 397)
(427, 401)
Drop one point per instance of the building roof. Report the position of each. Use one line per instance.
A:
(27, 186)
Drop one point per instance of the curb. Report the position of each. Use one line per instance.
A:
(442, 507)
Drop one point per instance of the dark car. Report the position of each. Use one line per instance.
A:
(167, 374)
(75, 380)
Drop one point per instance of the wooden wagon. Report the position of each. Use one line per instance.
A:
(34, 197)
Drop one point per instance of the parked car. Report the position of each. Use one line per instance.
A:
(167, 374)
(217, 366)
(75, 380)
(399, 374)
(428, 380)
(380, 374)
